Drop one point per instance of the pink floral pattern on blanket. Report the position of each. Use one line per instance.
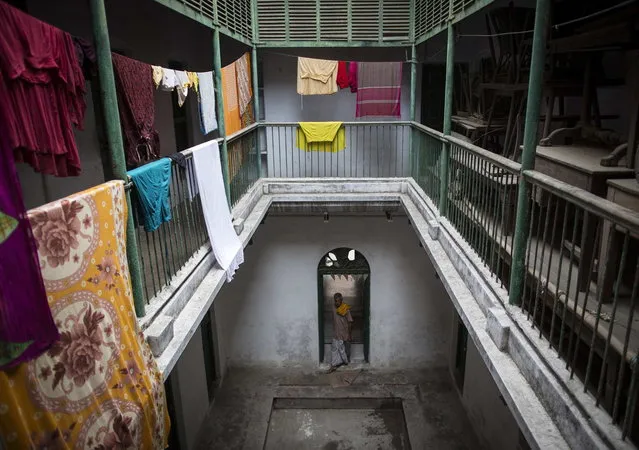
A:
(66, 233)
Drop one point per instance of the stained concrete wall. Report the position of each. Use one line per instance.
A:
(492, 421)
(144, 30)
(190, 392)
(268, 314)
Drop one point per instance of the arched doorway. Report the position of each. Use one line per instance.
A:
(344, 270)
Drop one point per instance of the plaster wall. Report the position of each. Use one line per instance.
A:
(192, 401)
(268, 315)
(492, 421)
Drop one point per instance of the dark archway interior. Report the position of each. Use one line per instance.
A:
(346, 271)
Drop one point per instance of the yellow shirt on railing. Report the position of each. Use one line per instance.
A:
(321, 136)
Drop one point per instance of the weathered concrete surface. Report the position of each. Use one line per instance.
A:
(434, 415)
(334, 424)
(159, 334)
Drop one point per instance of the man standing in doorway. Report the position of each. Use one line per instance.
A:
(342, 327)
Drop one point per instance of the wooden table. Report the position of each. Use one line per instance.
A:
(579, 165)
(473, 126)
(624, 193)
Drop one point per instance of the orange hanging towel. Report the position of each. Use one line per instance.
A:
(232, 120)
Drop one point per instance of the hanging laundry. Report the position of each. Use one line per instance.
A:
(182, 88)
(191, 181)
(179, 159)
(98, 386)
(87, 58)
(316, 76)
(243, 72)
(321, 137)
(169, 80)
(225, 243)
(152, 182)
(342, 75)
(245, 90)
(26, 326)
(158, 74)
(232, 119)
(134, 82)
(208, 119)
(379, 89)
(193, 81)
(41, 93)
(352, 76)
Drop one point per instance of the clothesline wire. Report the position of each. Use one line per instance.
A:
(290, 55)
(557, 26)
(158, 65)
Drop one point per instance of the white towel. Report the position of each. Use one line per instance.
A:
(169, 80)
(182, 87)
(208, 119)
(225, 243)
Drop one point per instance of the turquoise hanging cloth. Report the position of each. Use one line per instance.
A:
(151, 183)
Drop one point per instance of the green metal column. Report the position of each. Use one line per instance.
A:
(256, 109)
(217, 67)
(113, 136)
(414, 155)
(533, 102)
(413, 81)
(448, 112)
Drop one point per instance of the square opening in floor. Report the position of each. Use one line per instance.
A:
(337, 424)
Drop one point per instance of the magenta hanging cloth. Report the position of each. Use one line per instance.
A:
(26, 325)
(134, 82)
(352, 76)
(41, 93)
(379, 89)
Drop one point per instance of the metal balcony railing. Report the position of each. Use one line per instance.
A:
(371, 149)
(165, 251)
(244, 158)
(581, 279)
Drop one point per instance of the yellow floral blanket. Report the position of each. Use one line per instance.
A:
(98, 387)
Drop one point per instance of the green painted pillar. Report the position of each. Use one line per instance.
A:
(113, 135)
(448, 112)
(219, 98)
(256, 109)
(533, 103)
(413, 81)
(414, 151)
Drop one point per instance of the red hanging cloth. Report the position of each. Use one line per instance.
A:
(342, 75)
(41, 93)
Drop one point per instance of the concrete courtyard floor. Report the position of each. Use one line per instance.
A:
(367, 409)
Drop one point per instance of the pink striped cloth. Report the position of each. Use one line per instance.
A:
(379, 89)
